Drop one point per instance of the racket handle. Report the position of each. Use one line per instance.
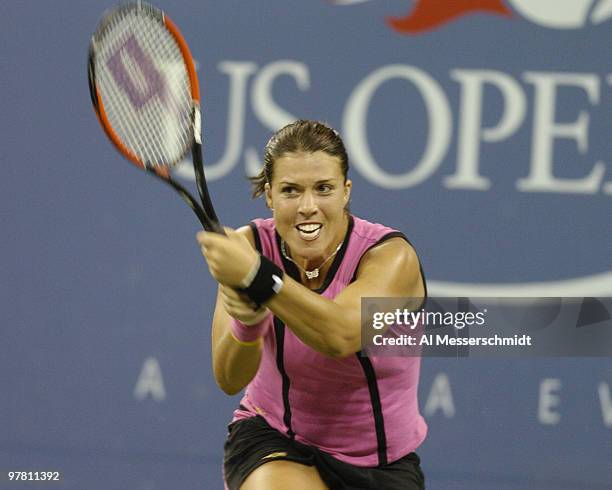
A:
(205, 220)
(217, 228)
(198, 168)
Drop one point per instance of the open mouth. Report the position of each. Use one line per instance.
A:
(309, 231)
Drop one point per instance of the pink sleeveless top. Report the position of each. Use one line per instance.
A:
(363, 411)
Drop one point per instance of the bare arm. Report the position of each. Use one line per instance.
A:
(333, 328)
(330, 327)
(234, 364)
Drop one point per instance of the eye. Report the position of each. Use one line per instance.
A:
(325, 188)
(288, 189)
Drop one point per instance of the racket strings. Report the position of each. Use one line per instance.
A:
(144, 87)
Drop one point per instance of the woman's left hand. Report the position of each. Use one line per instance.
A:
(230, 258)
(241, 307)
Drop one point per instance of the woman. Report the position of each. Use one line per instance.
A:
(315, 414)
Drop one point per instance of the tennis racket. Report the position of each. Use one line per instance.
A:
(145, 92)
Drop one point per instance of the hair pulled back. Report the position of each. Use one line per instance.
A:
(302, 136)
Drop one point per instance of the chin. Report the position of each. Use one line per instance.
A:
(307, 250)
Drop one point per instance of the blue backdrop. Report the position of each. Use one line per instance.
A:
(483, 134)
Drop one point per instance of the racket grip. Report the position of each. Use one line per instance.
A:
(217, 228)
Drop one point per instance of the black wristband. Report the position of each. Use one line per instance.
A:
(267, 282)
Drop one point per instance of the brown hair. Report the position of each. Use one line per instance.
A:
(300, 136)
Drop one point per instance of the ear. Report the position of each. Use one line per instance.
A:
(268, 194)
(348, 185)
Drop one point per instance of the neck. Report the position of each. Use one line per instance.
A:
(323, 263)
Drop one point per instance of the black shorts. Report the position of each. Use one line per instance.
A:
(252, 442)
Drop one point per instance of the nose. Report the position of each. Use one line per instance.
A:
(308, 204)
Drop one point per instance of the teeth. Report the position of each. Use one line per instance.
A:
(309, 231)
(309, 228)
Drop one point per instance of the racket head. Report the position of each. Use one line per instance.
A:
(144, 86)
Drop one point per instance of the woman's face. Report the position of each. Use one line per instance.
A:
(308, 196)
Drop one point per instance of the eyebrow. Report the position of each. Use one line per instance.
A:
(322, 181)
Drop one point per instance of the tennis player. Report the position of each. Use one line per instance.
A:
(315, 414)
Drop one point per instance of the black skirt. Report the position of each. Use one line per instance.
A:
(252, 442)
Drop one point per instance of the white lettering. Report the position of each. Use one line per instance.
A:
(238, 72)
(606, 403)
(440, 397)
(471, 134)
(548, 401)
(150, 381)
(546, 130)
(264, 106)
(355, 122)
(608, 185)
(470, 127)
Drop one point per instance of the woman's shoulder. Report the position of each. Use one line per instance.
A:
(247, 231)
(261, 232)
(382, 245)
(372, 233)
(263, 224)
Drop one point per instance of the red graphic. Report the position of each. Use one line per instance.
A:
(429, 14)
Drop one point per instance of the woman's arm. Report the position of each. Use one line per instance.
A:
(331, 327)
(234, 363)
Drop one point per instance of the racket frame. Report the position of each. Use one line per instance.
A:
(205, 212)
